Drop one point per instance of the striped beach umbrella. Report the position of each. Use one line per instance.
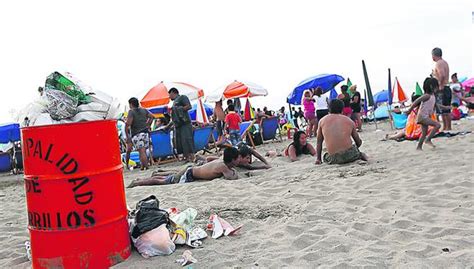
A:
(157, 99)
(237, 89)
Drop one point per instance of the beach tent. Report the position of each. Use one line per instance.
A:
(237, 89)
(157, 99)
(381, 112)
(325, 81)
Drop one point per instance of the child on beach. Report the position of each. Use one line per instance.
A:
(427, 103)
(232, 125)
(309, 112)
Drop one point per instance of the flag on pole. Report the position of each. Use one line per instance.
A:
(418, 90)
(248, 112)
(201, 115)
(398, 93)
(390, 99)
(349, 84)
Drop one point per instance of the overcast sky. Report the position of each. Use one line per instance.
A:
(126, 47)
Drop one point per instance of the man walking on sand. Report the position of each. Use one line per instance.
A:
(136, 130)
(443, 95)
(338, 131)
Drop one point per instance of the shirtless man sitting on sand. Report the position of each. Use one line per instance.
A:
(208, 171)
(337, 130)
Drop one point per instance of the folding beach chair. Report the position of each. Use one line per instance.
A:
(399, 120)
(5, 162)
(268, 129)
(10, 133)
(245, 134)
(162, 146)
(201, 138)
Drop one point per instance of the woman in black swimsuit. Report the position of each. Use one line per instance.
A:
(299, 146)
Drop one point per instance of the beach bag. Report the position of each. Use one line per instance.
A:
(257, 138)
(148, 216)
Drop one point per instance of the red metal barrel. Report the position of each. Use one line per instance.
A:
(77, 214)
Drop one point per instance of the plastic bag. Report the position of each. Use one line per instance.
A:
(156, 242)
(32, 111)
(65, 82)
(185, 218)
(60, 105)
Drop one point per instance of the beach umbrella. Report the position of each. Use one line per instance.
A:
(156, 100)
(201, 112)
(398, 95)
(418, 90)
(237, 89)
(370, 101)
(366, 107)
(389, 87)
(9, 133)
(381, 97)
(468, 84)
(325, 81)
(333, 94)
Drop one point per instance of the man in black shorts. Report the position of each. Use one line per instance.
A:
(443, 95)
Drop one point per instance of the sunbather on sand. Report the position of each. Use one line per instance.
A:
(208, 171)
(245, 153)
(298, 147)
(338, 132)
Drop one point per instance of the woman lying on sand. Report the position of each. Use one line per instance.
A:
(298, 147)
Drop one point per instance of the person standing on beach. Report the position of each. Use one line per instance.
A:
(182, 124)
(136, 130)
(338, 131)
(443, 93)
(427, 103)
(309, 112)
(232, 125)
(356, 107)
(322, 104)
(346, 98)
(295, 115)
(457, 91)
(219, 115)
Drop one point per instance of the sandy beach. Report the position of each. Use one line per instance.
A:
(403, 209)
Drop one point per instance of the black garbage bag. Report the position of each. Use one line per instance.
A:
(149, 216)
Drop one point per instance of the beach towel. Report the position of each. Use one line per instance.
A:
(412, 129)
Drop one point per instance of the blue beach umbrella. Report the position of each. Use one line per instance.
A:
(325, 81)
(381, 97)
(332, 94)
(192, 112)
